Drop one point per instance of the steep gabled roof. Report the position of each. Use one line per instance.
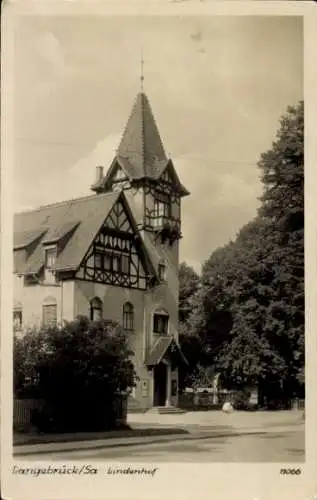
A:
(82, 217)
(79, 220)
(161, 347)
(141, 145)
(140, 153)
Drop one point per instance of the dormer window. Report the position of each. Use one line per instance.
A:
(50, 260)
(50, 257)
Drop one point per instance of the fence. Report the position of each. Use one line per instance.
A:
(23, 408)
(199, 401)
(22, 411)
(298, 404)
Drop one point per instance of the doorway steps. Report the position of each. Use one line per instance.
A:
(164, 410)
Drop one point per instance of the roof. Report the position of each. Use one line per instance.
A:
(160, 348)
(81, 218)
(140, 153)
(25, 238)
(141, 144)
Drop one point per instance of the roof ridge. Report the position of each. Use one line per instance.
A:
(65, 202)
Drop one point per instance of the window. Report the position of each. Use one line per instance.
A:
(160, 323)
(162, 208)
(17, 318)
(113, 261)
(95, 309)
(50, 257)
(125, 264)
(128, 317)
(162, 271)
(49, 314)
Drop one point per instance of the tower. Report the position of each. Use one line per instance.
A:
(154, 192)
(142, 169)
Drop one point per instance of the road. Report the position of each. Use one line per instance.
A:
(284, 446)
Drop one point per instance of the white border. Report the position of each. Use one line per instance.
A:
(215, 480)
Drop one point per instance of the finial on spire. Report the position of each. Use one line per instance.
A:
(142, 67)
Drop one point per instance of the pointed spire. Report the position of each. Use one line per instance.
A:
(142, 71)
(141, 145)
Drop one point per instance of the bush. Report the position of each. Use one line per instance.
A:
(78, 369)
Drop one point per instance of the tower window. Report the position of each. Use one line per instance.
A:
(162, 271)
(96, 309)
(162, 208)
(160, 323)
(128, 317)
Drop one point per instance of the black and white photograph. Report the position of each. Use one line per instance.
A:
(158, 296)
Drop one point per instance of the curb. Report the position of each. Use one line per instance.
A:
(155, 432)
(170, 437)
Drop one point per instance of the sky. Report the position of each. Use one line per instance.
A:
(217, 85)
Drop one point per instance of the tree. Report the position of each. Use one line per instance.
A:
(189, 283)
(78, 369)
(249, 312)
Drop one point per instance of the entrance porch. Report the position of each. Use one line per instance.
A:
(163, 360)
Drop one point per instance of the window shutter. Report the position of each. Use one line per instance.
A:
(50, 315)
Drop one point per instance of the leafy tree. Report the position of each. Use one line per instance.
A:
(189, 283)
(77, 369)
(249, 312)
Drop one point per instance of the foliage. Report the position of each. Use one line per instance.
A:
(77, 369)
(249, 311)
(189, 283)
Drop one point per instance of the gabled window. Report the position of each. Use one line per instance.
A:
(50, 259)
(160, 323)
(128, 317)
(96, 312)
(112, 261)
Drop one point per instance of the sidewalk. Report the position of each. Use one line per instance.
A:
(204, 427)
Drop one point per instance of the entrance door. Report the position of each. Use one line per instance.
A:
(160, 380)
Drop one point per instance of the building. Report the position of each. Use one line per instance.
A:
(113, 254)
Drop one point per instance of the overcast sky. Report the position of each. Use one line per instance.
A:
(217, 87)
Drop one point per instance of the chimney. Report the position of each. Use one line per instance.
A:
(99, 173)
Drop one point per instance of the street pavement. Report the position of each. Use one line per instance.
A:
(212, 437)
(283, 447)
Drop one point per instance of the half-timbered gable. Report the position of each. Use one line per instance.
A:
(116, 257)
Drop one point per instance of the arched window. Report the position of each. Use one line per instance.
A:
(50, 311)
(128, 317)
(95, 309)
